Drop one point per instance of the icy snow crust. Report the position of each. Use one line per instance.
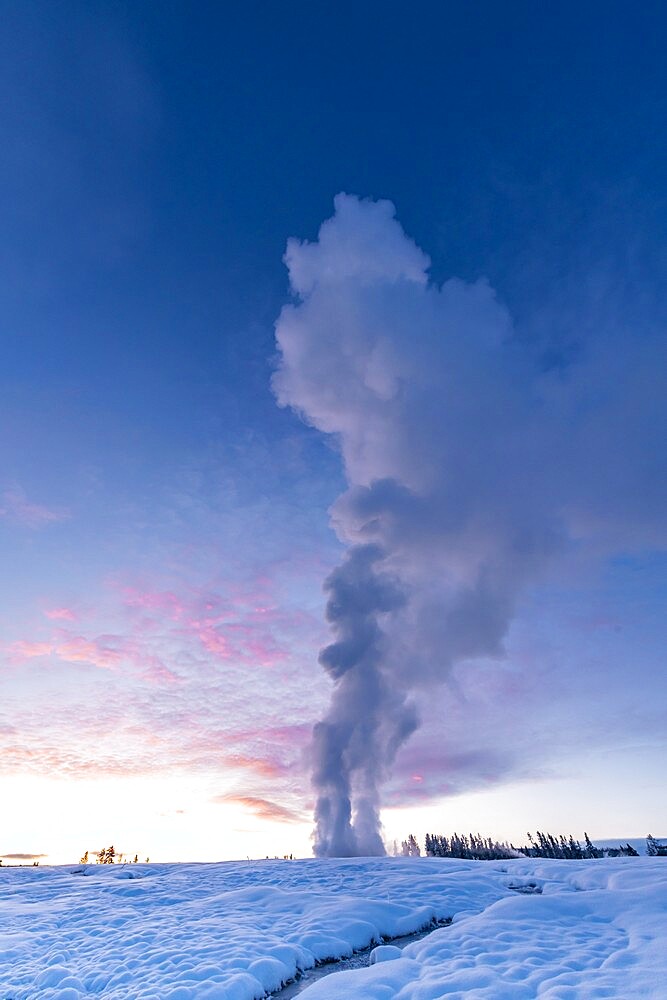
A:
(236, 931)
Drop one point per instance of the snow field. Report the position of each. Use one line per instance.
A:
(236, 931)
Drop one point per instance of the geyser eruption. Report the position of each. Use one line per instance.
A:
(366, 721)
(468, 464)
(396, 369)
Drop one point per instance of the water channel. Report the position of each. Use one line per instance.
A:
(359, 960)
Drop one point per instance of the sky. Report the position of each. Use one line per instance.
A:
(171, 505)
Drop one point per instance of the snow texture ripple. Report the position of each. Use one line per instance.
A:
(237, 931)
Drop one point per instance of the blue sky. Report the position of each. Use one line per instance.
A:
(165, 528)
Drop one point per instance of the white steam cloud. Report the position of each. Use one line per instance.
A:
(469, 466)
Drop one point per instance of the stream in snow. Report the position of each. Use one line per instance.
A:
(358, 960)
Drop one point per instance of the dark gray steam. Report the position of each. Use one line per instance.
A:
(469, 467)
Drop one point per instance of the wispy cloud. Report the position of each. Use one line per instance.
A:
(263, 808)
(60, 614)
(99, 652)
(265, 767)
(16, 508)
(23, 857)
(184, 678)
(28, 649)
(73, 649)
(243, 626)
(43, 758)
(106, 652)
(164, 603)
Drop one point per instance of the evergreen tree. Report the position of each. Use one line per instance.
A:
(410, 848)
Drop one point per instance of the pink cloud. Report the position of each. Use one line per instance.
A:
(78, 649)
(240, 627)
(104, 652)
(230, 749)
(164, 602)
(144, 732)
(60, 614)
(110, 652)
(207, 642)
(263, 808)
(15, 506)
(244, 624)
(297, 735)
(43, 758)
(262, 766)
(212, 640)
(26, 649)
(242, 634)
(151, 668)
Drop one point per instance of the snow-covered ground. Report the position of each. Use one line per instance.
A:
(234, 931)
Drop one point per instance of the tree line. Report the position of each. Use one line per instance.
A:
(474, 847)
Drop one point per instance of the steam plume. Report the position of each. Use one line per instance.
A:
(468, 467)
